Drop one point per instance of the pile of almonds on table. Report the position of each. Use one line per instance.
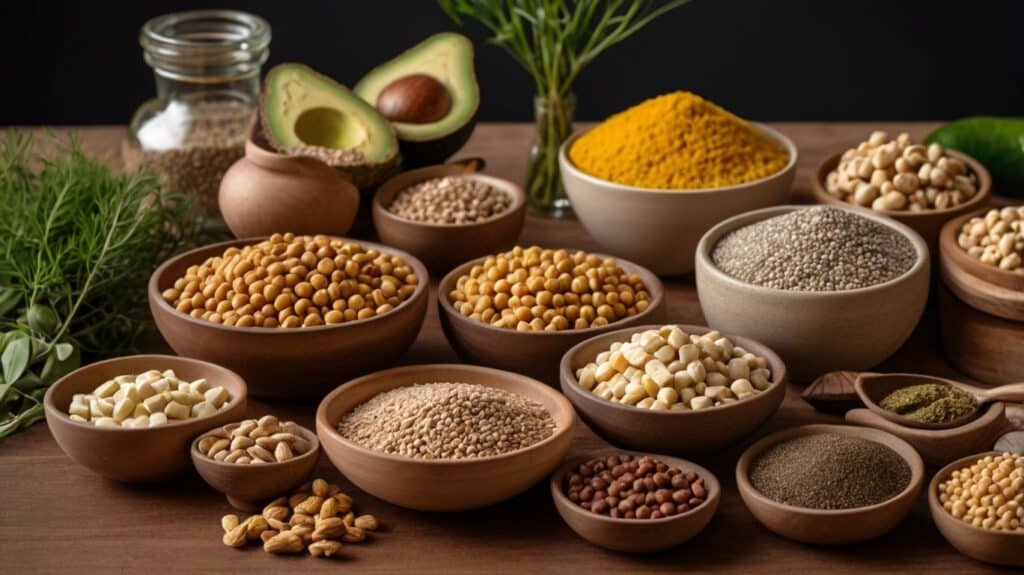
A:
(317, 518)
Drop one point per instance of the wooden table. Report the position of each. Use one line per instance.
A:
(56, 516)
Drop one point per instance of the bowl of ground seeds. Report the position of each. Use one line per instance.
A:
(445, 437)
(445, 215)
(827, 288)
(830, 484)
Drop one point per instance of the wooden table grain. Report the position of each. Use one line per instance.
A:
(58, 517)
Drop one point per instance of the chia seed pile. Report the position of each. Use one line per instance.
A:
(447, 421)
(450, 200)
(815, 249)
(829, 471)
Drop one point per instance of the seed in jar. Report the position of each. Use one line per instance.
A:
(535, 289)
(815, 249)
(450, 200)
(255, 441)
(670, 369)
(996, 239)
(293, 281)
(628, 487)
(447, 421)
(988, 493)
(148, 399)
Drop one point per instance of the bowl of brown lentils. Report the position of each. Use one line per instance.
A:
(445, 215)
(292, 314)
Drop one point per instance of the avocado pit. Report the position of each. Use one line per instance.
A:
(414, 99)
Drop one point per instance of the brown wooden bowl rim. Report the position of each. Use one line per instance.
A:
(711, 482)
(570, 386)
(744, 485)
(944, 473)
(651, 281)
(331, 428)
(507, 187)
(156, 296)
(236, 399)
(704, 249)
(825, 166)
(776, 135)
(952, 254)
(986, 414)
(309, 435)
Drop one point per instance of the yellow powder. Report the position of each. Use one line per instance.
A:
(677, 141)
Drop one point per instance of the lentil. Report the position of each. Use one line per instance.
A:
(829, 471)
(450, 200)
(930, 403)
(815, 249)
(628, 487)
(447, 421)
(997, 239)
(254, 441)
(988, 494)
(149, 399)
(534, 289)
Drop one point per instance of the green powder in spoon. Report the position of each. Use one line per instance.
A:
(930, 403)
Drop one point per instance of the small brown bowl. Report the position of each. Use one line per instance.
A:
(289, 363)
(830, 526)
(247, 486)
(636, 535)
(996, 547)
(534, 353)
(443, 485)
(136, 455)
(443, 246)
(928, 223)
(952, 252)
(670, 431)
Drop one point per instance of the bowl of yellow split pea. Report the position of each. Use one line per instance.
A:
(647, 182)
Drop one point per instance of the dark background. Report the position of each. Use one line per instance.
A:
(80, 62)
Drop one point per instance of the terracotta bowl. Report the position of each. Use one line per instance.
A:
(670, 431)
(659, 229)
(443, 485)
(815, 332)
(985, 347)
(248, 487)
(825, 526)
(991, 290)
(534, 353)
(999, 548)
(952, 253)
(289, 363)
(927, 223)
(443, 246)
(636, 535)
(136, 455)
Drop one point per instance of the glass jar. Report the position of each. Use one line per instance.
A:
(207, 67)
(544, 188)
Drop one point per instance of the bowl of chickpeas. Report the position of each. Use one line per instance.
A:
(522, 309)
(292, 314)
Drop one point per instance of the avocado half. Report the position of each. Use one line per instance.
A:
(305, 113)
(447, 58)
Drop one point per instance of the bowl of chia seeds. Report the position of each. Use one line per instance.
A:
(828, 288)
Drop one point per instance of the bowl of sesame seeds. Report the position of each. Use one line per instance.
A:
(828, 288)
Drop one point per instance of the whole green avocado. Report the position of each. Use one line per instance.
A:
(998, 143)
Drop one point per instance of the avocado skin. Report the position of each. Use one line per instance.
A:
(432, 152)
(998, 143)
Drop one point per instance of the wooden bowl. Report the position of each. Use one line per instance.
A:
(248, 487)
(999, 548)
(815, 332)
(985, 347)
(136, 455)
(830, 526)
(927, 223)
(443, 246)
(962, 276)
(659, 229)
(443, 485)
(636, 535)
(952, 253)
(533, 353)
(289, 363)
(670, 431)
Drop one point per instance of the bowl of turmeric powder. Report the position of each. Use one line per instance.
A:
(649, 181)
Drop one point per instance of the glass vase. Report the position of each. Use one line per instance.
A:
(544, 188)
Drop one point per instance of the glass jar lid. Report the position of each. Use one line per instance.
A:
(206, 46)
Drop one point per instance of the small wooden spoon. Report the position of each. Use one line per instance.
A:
(874, 387)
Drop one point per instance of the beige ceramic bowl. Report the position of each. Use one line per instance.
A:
(659, 229)
(443, 246)
(136, 455)
(997, 547)
(830, 526)
(636, 535)
(670, 431)
(815, 332)
(443, 485)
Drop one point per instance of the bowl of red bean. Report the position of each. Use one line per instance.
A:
(635, 502)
